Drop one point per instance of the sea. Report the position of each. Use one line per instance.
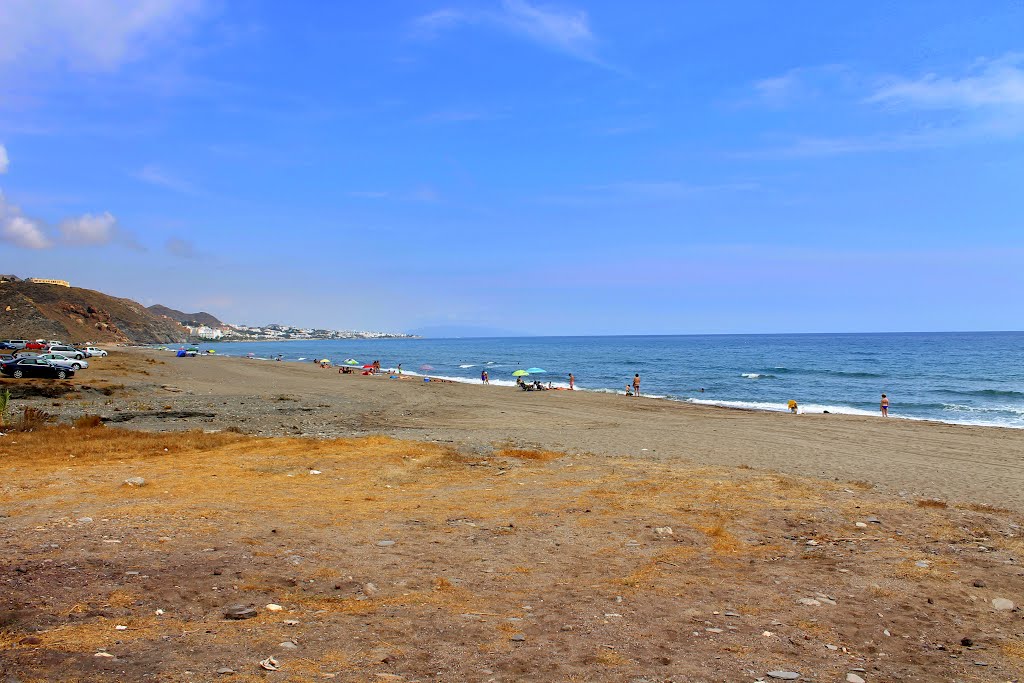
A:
(972, 378)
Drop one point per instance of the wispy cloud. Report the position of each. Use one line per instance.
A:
(802, 84)
(566, 31)
(5, 161)
(423, 193)
(987, 99)
(154, 175)
(87, 36)
(988, 83)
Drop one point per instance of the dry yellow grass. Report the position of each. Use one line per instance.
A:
(456, 518)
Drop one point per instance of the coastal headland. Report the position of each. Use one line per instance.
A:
(402, 530)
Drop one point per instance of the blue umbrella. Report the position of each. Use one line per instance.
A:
(534, 371)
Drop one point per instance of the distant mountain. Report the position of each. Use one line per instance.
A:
(31, 310)
(193, 319)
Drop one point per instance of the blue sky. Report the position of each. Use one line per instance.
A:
(546, 168)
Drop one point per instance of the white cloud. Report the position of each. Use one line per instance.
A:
(89, 229)
(987, 101)
(24, 232)
(87, 35)
(20, 231)
(802, 84)
(566, 31)
(5, 161)
(988, 83)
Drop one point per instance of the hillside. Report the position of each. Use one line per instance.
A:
(37, 311)
(200, 318)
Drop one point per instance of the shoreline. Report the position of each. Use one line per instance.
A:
(727, 404)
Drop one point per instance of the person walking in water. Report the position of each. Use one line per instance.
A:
(885, 406)
(636, 384)
(572, 382)
(484, 377)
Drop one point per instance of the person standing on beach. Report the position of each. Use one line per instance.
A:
(636, 384)
(572, 382)
(484, 377)
(885, 406)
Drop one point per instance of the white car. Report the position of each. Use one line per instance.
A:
(60, 360)
(93, 351)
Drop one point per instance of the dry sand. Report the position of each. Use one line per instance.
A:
(484, 557)
(923, 459)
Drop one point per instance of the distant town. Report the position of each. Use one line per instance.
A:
(276, 332)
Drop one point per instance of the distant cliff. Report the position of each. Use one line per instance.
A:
(194, 319)
(72, 314)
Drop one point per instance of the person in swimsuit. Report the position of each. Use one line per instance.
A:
(572, 382)
(636, 384)
(484, 377)
(792, 406)
(885, 406)
(629, 390)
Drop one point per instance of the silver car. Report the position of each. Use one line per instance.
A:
(60, 360)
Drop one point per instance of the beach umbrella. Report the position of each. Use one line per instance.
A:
(351, 361)
(535, 371)
(367, 367)
(520, 373)
(427, 368)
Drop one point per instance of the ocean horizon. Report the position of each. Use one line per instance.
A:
(973, 378)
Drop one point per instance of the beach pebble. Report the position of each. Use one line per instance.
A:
(809, 602)
(924, 564)
(874, 520)
(664, 530)
(861, 525)
(134, 481)
(812, 543)
(315, 472)
(853, 678)
(121, 627)
(225, 670)
(784, 675)
(240, 612)
(518, 638)
(84, 520)
(288, 645)
(978, 583)
(831, 647)
(370, 589)
(385, 544)
(1002, 604)
(274, 608)
(714, 630)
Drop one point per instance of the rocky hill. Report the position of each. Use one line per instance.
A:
(200, 318)
(72, 314)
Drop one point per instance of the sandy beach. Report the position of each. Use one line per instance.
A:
(919, 459)
(226, 519)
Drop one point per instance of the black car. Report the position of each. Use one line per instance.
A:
(35, 367)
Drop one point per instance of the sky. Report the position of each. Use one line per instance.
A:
(519, 166)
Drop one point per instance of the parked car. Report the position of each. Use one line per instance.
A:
(69, 351)
(8, 346)
(35, 345)
(93, 351)
(16, 343)
(65, 361)
(35, 367)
